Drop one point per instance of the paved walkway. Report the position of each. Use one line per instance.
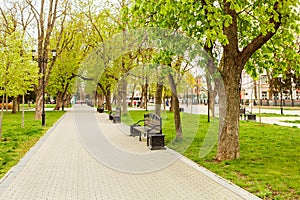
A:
(85, 156)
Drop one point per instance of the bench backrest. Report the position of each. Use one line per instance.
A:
(152, 119)
(242, 111)
(118, 111)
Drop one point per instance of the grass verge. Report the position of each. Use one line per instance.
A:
(275, 115)
(291, 121)
(269, 166)
(16, 141)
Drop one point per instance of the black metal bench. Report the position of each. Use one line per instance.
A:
(242, 112)
(100, 109)
(247, 115)
(115, 116)
(152, 129)
(250, 116)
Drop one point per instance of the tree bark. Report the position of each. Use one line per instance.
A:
(67, 100)
(146, 94)
(175, 107)
(39, 100)
(108, 100)
(1, 117)
(23, 113)
(158, 97)
(15, 105)
(142, 100)
(6, 105)
(124, 95)
(100, 99)
(59, 100)
(228, 144)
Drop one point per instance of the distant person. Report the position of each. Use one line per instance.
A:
(167, 102)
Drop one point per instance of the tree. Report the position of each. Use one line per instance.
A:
(240, 28)
(18, 74)
(71, 53)
(45, 20)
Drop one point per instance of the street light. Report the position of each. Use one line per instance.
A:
(43, 61)
(280, 87)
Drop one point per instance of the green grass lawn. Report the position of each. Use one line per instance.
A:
(32, 106)
(275, 115)
(291, 121)
(16, 141)
(269, 166)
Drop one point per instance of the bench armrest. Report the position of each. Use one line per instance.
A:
(152, 127)
(142, 120)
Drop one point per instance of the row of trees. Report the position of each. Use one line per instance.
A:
(236, 35)
(43, 25)
(251, 35)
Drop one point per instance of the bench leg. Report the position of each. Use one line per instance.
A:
(134, 132)
(116, 119)
(147, 139)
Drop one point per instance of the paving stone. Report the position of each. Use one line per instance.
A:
(85, 156)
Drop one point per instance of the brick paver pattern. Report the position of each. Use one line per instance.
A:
(68, 165)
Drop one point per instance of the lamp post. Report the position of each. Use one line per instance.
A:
(280, 88)
(208, 105)
(43, 61)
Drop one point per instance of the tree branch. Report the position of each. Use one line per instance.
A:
(260, 39)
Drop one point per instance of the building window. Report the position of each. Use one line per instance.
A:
(276, 96)
(264, 95)
(286, 95)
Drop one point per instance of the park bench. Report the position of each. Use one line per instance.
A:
(242, 112)
(247, 115)
(250, 117)
(152, 129)
(100, 109)
(115, 116)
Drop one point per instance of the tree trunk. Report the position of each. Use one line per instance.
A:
(158, 98)
(58, 100)
(67, 100)
(18, 106)
(64, 97)
(23, 113)
(146, 94)
(39, 101)
(6, 100)
(124, 95)
(15, 105)
(142, 100)
(175, 107)
(228, 145)
(1, 117)
(255, 90)
(132, 94)
(100, 99)
(108, 100)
